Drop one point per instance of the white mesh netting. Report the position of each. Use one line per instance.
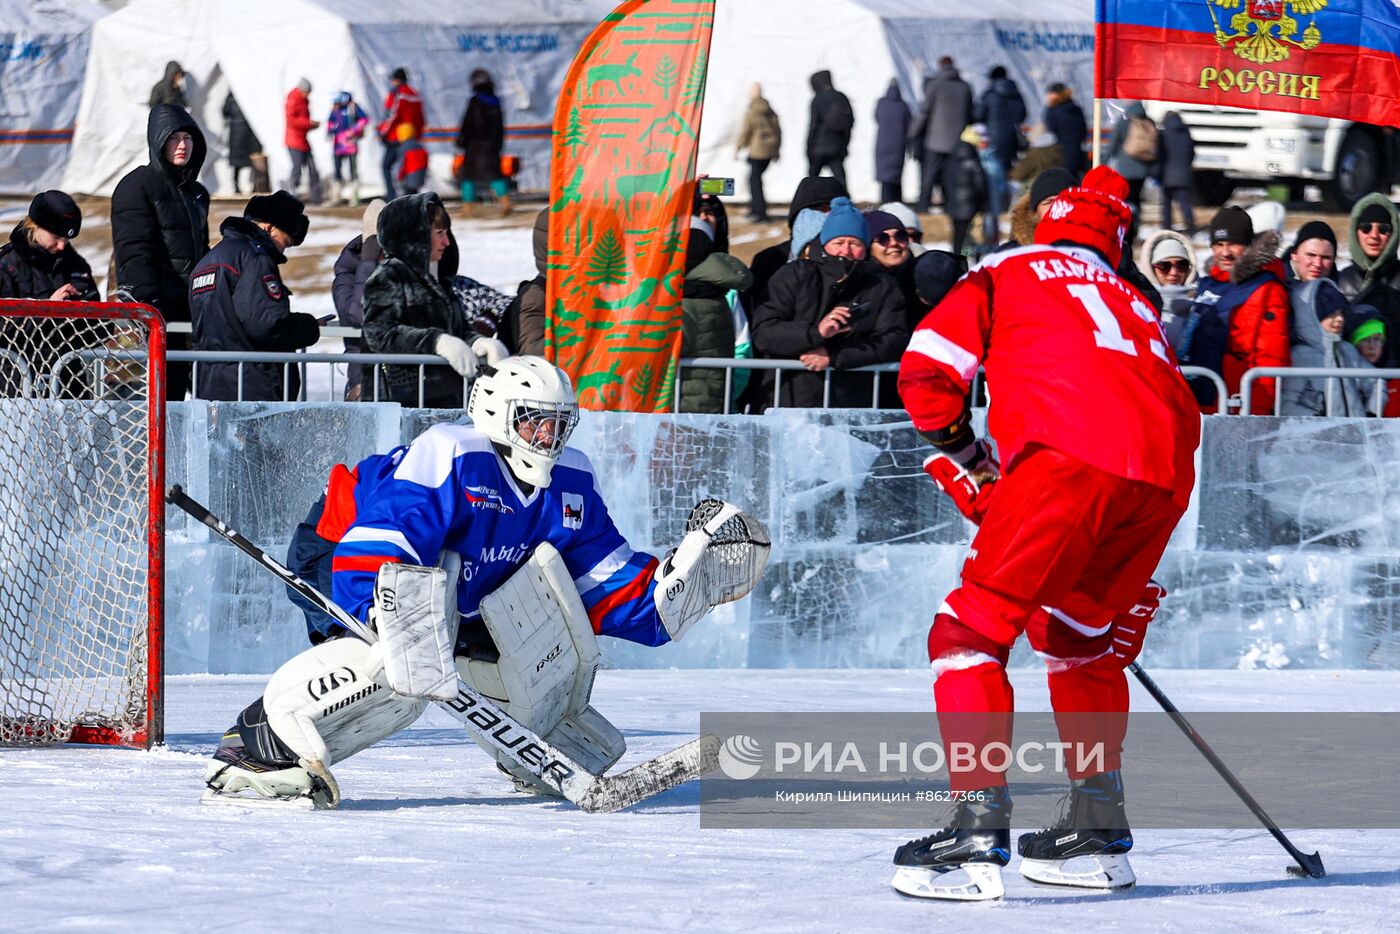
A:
(76, 454)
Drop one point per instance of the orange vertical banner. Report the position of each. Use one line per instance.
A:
(622, 186)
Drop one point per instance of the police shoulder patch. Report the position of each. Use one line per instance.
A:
(273, 286)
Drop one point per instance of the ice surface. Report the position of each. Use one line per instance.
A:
(431, 838)
(1286, 558)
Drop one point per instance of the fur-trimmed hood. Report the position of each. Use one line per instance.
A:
(1363, 262)
(1023, 220)
(1144, 259)
(1259, 257)
(405, 234)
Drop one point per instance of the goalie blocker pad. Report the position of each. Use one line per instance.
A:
(719, 561)
(416, 630)
(549, 657)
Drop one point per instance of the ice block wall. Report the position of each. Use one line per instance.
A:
(1288, 557)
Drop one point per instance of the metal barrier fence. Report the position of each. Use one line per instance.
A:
(1332, 375)
(375, 361)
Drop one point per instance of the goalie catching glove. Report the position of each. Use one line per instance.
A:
(720, 560)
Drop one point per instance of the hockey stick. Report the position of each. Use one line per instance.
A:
(492, 727)
(1308, 865)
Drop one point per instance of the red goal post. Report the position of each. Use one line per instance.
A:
(82, 523)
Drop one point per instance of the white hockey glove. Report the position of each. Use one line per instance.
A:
(457, 353)
(719, 560)
(490, 350)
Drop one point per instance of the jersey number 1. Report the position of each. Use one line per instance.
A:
(1108, 334)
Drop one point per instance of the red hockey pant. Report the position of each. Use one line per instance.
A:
(1063, 549)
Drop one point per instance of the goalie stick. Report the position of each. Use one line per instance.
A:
(492, 727)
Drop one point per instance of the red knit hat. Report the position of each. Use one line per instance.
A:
(1095, 214)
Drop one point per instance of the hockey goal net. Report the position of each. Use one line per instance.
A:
(82, 418)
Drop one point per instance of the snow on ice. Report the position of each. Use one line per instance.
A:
(431, 837)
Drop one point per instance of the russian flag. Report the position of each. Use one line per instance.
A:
(1327, 58)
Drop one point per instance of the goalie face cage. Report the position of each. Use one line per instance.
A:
(82, 523)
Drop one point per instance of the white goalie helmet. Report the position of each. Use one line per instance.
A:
(527, 405)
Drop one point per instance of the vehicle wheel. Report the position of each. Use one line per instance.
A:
(1357, 172)
(1213, 189)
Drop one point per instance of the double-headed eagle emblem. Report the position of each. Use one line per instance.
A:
(1263, 31)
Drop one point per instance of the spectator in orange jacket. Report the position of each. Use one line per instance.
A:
(403, 121)
(1239, 319)
(299, 123)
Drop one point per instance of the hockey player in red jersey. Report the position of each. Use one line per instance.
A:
(1095, 432)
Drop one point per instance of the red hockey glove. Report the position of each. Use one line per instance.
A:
(1130, 626)
(970, 488)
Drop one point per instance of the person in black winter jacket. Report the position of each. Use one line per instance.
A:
(816, 192)
(1065, 120)
(1176, 152)
(352, 269)
(892, 119)
(170, 89)
(39, 262)
(835, 311)
(410, 308)
(1002, 108)
(242, 141)
(238, 302)
(481, 138)
(964, 191)
(829, 128)
(160, 226)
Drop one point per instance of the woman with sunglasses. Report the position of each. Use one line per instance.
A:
(1373, 278)
(1168, 262)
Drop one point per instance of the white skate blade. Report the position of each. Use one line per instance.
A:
(1082, 872)
(970, 882)
(216, 798)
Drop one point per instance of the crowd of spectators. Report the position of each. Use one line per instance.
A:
(844, 291)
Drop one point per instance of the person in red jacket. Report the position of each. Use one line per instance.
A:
(299, 123)
(1239, 319)
(1095, 431)
(403, 121)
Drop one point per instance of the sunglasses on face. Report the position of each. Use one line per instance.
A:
(1172, 265)
(892, 236)
(1383, 229)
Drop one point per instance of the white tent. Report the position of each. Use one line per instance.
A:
(865, 43)
(43, 52)
(259, 49)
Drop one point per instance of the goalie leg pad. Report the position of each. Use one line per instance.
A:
(549, 657)
(334, 700)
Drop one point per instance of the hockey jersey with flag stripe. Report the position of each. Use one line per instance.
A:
(450, 490)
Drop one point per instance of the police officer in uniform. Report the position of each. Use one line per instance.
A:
(239, 302)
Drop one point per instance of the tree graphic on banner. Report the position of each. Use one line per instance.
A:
(573, 134)
(665, 77)
(695, 84)
(609, 264)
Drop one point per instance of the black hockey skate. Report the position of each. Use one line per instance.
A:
(1088, 845)
(253, 768)
(963, 861)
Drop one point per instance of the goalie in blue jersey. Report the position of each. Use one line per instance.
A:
(535, 572)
